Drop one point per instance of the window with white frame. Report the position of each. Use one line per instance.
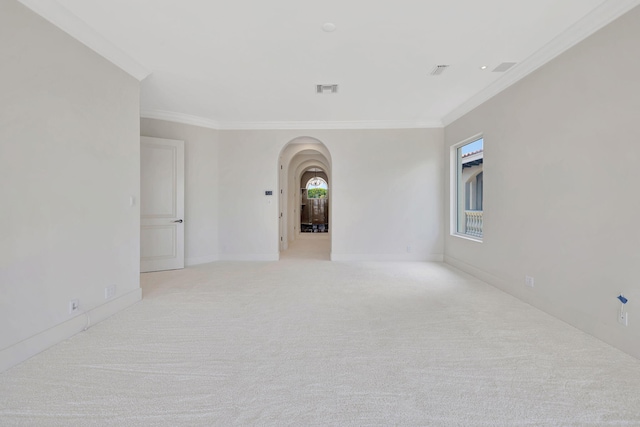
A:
(467, 188)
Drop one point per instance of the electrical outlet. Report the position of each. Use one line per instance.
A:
(528, 280)
(623, 317)
(74, 306)
(109, 292)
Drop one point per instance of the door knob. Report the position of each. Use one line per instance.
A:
(178, 220)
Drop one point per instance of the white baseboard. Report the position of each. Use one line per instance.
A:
(28, 348)
(478, 273)
(576, 318)
(412, 257)
(250, 257)
(201, 260)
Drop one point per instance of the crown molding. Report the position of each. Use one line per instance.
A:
(315, 125)
(319, 125)
(62, 18)
(601, 16)
(170, 116)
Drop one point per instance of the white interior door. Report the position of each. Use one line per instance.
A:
(161, 204)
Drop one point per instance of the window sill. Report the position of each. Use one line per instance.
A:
(467, 237)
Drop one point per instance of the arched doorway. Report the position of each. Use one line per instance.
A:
(299, 160)
(314, 201)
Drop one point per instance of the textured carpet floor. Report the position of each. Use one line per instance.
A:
(309, 342)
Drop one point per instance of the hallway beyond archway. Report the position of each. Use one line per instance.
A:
(303, 159)
(310, 246)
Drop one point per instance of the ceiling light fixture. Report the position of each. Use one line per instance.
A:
(328, 27)
(484, 67)
(315, 182)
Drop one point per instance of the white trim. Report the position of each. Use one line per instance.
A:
(412, 257)
(28, 348)
(201, 260)
(250, 257)
(466, 237)
(356, 124)
(476, 272)
(314, 125)
(62, 18)
(523, 293)
(592, 22)
(186, 119)
(469, 140)
(453, 185)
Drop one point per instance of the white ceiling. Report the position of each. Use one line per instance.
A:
(255, 63)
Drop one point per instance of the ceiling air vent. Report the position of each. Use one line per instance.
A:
(326, 89)
(503, 67)
(438, 69)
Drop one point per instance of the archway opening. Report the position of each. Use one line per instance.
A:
(305, 166)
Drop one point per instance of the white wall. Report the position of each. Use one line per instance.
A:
(201, 185)
(561, 158)
(69, 162)
(228, 216)
(248, 220)
(387, 195)
(403, 167)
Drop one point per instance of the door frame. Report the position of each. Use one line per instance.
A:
(170, 222)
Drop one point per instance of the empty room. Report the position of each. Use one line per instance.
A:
(275, 213)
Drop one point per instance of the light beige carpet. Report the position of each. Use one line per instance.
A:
(309, 342)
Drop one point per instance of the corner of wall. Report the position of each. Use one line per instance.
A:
(28, 348)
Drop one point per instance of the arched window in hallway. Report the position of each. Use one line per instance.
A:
(314, 202)
(317, 188)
